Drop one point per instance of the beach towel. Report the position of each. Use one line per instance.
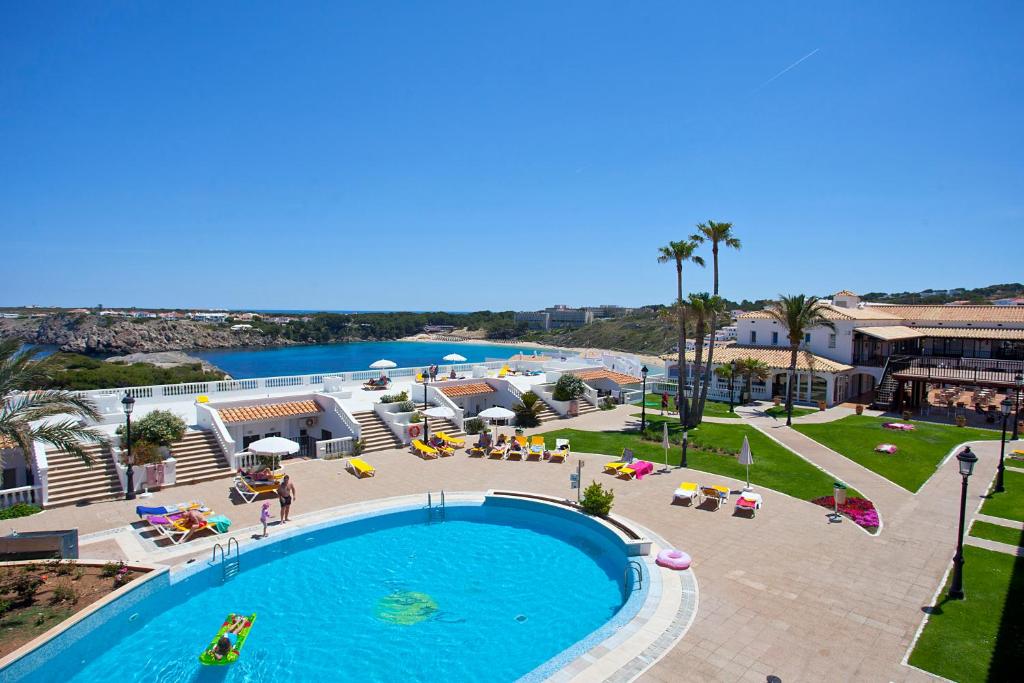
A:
(641, 468)
(220, 523)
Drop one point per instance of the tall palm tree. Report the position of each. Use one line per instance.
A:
(679, 253)
(798, 313)
(716, 233)
(752, 370)
(707, 308)
(29, 413)
(728, 372)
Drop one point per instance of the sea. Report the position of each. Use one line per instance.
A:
(243, 363)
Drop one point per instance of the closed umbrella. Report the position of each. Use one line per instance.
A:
(665, 443)
(746, 458)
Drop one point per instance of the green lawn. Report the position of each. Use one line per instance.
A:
(1010, 503)
(980, 638)
(780, 411)
(711, 408)
(774, 467)
(1000, 534)
(919, 452)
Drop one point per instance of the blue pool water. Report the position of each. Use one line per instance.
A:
(490, 593)
(303, 360)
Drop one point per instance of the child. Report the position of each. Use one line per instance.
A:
(265, 517)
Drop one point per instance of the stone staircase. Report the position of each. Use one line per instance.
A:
(376, 436)
(199, 458)
(546, 413)
(586, 408)
(71, 481)
(440, 424)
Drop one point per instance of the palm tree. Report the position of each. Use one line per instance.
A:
(728, 372)
(752, 370)
(798, 313)
(716, 233)
(680, 252)
(707, 307)
(29, 413)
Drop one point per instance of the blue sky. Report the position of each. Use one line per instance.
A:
(483, 155)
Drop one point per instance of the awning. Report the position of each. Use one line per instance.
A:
(890, 332)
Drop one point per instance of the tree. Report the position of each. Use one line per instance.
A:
(752, 370)
(54, 412)
(528, 410)
(727, 372)
(569, 387)
(706, 307)
(798, 313)
(679, 253)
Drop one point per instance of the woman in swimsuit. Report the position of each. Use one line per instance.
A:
(227, 641)
(286, 494)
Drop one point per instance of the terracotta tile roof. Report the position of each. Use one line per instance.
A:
(269, 411)
(890, 332)
(844, 292)
(970, 332)
(604, 373)
(838, 313)
(775, 357)
(471, 389)
(993, 314)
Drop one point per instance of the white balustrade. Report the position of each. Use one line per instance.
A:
(22, 494)
(335, 448)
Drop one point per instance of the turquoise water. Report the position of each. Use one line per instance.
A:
(489, 594)
(304, 360)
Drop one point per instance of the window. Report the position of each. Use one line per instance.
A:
(775, 338)
(10, 478)
(753, 336)
(807, 338)
(831, 341)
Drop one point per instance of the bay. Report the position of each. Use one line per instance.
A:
(316, 358)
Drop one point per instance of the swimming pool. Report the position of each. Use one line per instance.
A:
(495, 591)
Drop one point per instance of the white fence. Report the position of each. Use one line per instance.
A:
(335, 448)
(22, 494)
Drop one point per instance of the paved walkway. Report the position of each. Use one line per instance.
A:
(785, 593)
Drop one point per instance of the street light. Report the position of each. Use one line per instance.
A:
(1018, 383)
(426, 418)
(127, 404)
(1005, 408)
(732, 375)
(643, 403)
(967, 460)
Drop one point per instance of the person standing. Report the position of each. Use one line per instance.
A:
(664, 402)
(286, 494)
(265, 517)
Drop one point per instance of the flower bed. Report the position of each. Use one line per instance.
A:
(861, 510)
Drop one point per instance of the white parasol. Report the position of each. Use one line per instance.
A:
(665, 443)
(455, 358)
(496, 413)
(383, 364)
(440, 411)
(746, 458)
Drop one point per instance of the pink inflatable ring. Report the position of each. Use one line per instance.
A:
(674, 559)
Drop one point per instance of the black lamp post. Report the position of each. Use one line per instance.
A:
(1004, 407)
(1018, 383)
(128, 403)
(643, 403)
(732, 375)
(426, 418)
(967, 460)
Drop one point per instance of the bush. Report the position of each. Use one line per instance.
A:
(395, 398)
(19, 510)
(143, 453)
(596, 501)
(527, 411)
(568, 388)
(24, 587)
(416, 418)
(64, 592)
(406, 407)
(160, 427)
(473, 425)
(110, 569)
(5, 607)
(606, 403)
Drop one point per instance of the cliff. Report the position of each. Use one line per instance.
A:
(91, 334)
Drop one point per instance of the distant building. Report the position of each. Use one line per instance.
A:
(143, 314)
(241, 326)
(1013, 301)
(439, 329)
(169, 315)
(609, 311)
(534, 320)
(9, 315)
(209, 317)
(562, 317)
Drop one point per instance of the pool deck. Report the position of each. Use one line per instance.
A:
(783, 594)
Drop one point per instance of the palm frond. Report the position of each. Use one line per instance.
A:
(68, 435)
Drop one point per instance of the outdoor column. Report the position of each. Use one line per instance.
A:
(830, 383)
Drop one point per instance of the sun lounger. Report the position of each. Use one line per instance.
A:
(719, 494)
(688, 491)
(250, 490)
(498, 452)
(636, 470)
(423, 450)
(442, 448)
(143, 511)
(482, 446)
(616, 466)
(537, 448)
(749, 504)
(453, 441)
(518, 449)
(561, 452)
(360, 468)
(503, 372)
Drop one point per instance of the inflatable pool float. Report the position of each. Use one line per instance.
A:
(673, 559)
(231, 657)
(886, 448)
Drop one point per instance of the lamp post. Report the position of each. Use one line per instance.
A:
(643, 403)
(1018, 383)
(127, 404)
(967, 460)
(426, 418)
(1004, 407)
(732, 375)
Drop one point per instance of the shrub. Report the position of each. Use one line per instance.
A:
(19, 510)
(160, 427)
(606, 403)
(473, 425)
(406, 406)
(527, 410)
(395, 398)
(5, 607)
(596, 501)
(143, 453)
(416, 418)
(64, 592)
(110, 569)
(24, 587)
(568, 388)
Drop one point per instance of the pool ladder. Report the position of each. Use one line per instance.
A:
(229, 564)
(633, 573)
(435, 510)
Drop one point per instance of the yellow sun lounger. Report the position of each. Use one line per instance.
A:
(360, 468)
(503, 371)
(498, 452)
(537, 447)
(561, 451)
(625, 461)
(719, 494)
(453, 441)
(423, 450)
(688, 490)
(250, 490)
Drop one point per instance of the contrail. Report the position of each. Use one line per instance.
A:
(788, 68)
